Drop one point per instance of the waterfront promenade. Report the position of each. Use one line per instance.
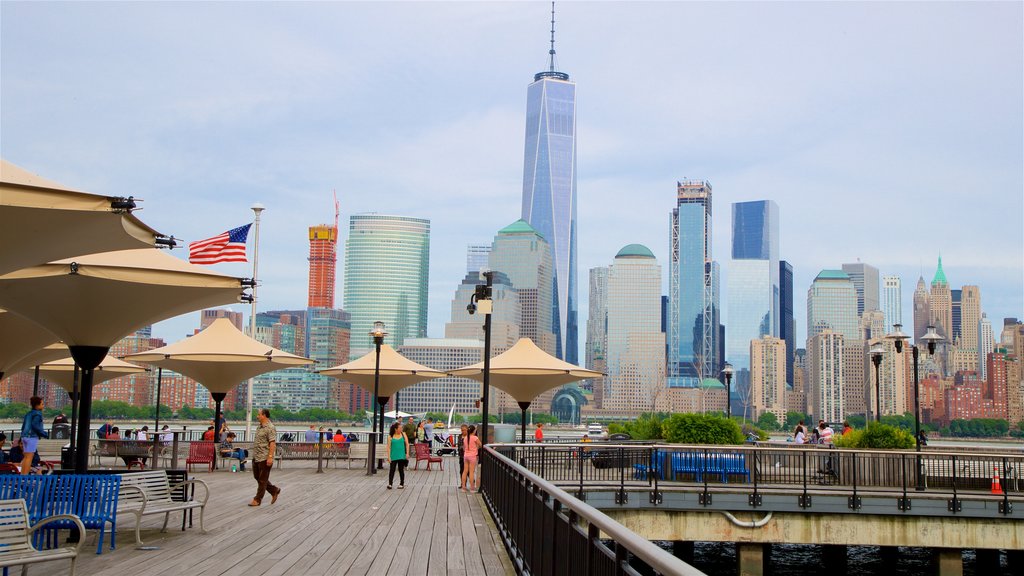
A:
(338, 522)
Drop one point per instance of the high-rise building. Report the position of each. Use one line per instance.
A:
(940, 303)
(441, 394)
(636, 344)
(892, 301)
(328, 336)
(549, 190)
(970, 317)
(476, 257)
(387, 261)
(597, 330)
(865, 281)
(753, 285)
(323, 258)
(825, 375)
(922, 310)
(832, 305)
(768, 376)
(956, 307)
(521, 253)
(787, 323)
(986, 344)
(691, 331)
(291, 388)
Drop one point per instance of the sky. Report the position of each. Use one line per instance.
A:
(888, 133)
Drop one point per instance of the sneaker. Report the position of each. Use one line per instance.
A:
(389, 486)
(401, 486)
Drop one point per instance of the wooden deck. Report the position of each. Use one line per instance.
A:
(338, 522)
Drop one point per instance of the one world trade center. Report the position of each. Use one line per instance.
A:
(549, 189)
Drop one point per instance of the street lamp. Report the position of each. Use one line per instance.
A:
(930, 338)
(481, 302)
(728, 371)
(876, 358)
(378, 333)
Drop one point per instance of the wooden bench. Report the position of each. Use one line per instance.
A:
(422, 452)
(226, 461)
(310, 451)
(360, 451)
(16, 532)
(148, 493)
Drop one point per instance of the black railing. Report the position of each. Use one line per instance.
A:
(549, 532)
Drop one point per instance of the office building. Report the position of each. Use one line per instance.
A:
(442, 394)
(940, 303)
(922, 310)
(476, 257)
(970, 317)
(955, 305)
(549, 191)
(865, 281)
(787, 323)
(691, 331)
(824, 384)
(753, 286)
(986, 344)
(768, 377)
(597, 330)
(892, 301)
(323, 258)
(636, 345)
(832, 305)
(387, 262)
(523, 256)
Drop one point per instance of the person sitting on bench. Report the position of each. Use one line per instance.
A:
(227, 450)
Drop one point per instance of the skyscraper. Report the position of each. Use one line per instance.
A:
(986, 344)
(386, 272)
(691, 330)
(922, 310)
(597, 330)
(753, 285)
(955, 306)
(440, 394)
(832, 305)
(865, 281)
(825, 380)
(970, 316)
(787, 324)
(940, 303)
(636, 344)
(523, 256)
(323, 258)
(892, 301)
(476, 257)
(549, 190)
(768, 376)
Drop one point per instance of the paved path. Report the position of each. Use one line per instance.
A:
(338, 522)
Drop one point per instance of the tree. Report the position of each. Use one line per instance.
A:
(701, 429)
(768, 421)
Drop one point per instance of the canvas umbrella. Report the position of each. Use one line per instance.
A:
(524, 371)
(42, 221)
(61, 372)
(220, 358)
(395, 372)
(20, 337)
(92, 301)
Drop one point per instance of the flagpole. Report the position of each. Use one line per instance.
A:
(256, 208)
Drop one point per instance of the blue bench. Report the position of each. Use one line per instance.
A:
(91, 497)
(653, 468)
(714, 463)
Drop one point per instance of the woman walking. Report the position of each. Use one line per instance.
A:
(462, 449)
(31, 431)
(398, 455)
(471, 447)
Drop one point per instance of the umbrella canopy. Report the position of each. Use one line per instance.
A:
(396, 372)
(524, 371)
(97, 299)
(220, 357)
(62, 371)
(42, 221)
(54, 351)
(394, 414)
(20, 337)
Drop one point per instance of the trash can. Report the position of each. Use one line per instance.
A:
(67, 457)
(60, 432)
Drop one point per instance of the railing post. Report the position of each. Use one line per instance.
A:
(543, 460)
(854, 503)
(581, 495)
(320, 455)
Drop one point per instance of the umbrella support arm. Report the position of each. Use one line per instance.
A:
(524, 406)
(218, 398)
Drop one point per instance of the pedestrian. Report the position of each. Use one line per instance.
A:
(410, 430)
(102, 431)
(846, 427)
(167, 437)
(311, 435)
(798, 435)
(825, 433)
(31, 431)
(463, 431)
(421, 432)
(428, 431)
(398, 455)
(538, 434)
(471, 450)
(208, 435)
(263, 447)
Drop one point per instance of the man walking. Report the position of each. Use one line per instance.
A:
(428, 431)
(410, 430)
(263, 447)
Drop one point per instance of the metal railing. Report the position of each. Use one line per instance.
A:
(548, 531)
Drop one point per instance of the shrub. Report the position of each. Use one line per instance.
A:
(751, 430)
(878, 437)
(646, 427)
(701, 429)
(616, 428)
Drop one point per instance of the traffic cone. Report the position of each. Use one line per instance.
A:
(996, 487)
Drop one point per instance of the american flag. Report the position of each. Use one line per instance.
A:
(226, 247)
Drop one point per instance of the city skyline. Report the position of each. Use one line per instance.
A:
(882, 139)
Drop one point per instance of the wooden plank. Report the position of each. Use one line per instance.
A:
(471, 546)
(492, 547)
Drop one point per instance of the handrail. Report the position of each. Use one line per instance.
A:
(644, 549)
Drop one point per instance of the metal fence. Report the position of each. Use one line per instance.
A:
(549, 532)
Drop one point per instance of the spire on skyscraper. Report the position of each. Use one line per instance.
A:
(940, 276)
(551, 72)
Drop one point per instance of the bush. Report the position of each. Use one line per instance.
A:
(616, 428)
(877, 437)
(701, 429)
(750, 430)
(646, 427)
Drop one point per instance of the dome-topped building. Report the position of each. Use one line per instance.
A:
(635, 251)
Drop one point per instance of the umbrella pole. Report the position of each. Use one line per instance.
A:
(522, 422)
(74, 407)
(35, 382)
(382, 402)
(159, 378)
(218, 397)
(88, 358)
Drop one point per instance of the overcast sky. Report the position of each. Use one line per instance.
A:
(886, 132)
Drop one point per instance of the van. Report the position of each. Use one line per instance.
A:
(595, 429)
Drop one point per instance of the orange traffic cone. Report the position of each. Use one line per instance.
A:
(996, 487)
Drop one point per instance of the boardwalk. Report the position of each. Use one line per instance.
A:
(338, 522)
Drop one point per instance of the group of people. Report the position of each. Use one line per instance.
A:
(400, 443)
(422, 431)
(822, 434)
(339, 437)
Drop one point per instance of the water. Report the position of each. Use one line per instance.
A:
(719, 559)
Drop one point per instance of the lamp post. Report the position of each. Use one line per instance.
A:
(930, 338)
(876, 358)
(728, 371)
(481, 302)
(378, 335)
(257, 209)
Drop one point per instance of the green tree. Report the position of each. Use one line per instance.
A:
(768, 421)
(794, 418)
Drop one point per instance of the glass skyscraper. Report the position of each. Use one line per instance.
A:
(865, 281)
(753, 284)
(386, 272)
(521, 254)
(892, 301)
(787, 324)
(832, 305)
(692, 330)
(549, 192)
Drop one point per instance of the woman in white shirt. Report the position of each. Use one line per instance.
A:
(798, 434)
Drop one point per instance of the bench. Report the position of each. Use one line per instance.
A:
(715, 463)
(360, 451)
(16, 547)
(310, 451)
(133, 450)
(422, 452)
(148, 493)
(200, 453)
(226, 461)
